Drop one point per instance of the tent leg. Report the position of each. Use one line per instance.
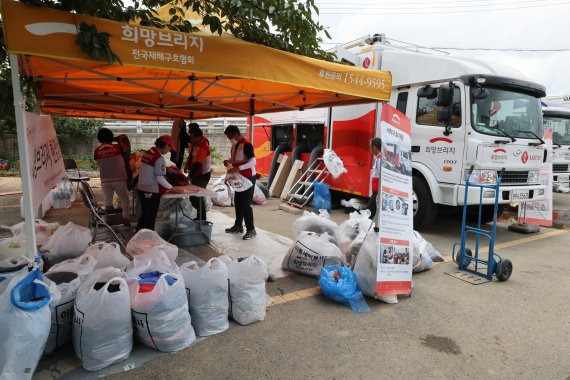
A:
(250, 130)
(23, 148)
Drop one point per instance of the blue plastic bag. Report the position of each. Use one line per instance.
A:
(343, 288)
(321, 196)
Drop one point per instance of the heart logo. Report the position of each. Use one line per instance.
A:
(524, 157)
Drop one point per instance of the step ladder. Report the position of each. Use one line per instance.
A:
(302, 191)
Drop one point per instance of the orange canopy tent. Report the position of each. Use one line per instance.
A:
(164, 75)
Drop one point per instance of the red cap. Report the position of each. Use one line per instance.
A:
(167, 139)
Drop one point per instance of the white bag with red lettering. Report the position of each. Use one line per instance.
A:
(333, 163)
(238, 182)
(310, 253)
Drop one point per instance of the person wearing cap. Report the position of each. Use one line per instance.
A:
(112, 171)
(242, 161)
(376, 151)
(152, 182)
(198, 165)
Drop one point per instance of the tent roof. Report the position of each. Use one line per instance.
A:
(167, 74)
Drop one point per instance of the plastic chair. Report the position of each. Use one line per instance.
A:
(96, 219)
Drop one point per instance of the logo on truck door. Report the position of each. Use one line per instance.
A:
(366, 63)
(440, 149)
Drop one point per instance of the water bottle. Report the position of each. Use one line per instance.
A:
(67, 198)
(55, 199)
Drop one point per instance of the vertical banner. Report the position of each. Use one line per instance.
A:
(44, 156)
(394, 274)
(540, 212)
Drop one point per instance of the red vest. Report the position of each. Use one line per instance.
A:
(150, 157)
(239, 158)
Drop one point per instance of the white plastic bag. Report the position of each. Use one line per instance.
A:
(12, 264)
(422, 246)
(107, 255)
(222, 196)
(149, 263)
(61, 308)
(24, 324)
(102, 324)
(238, 182)
(68, 241)
(207, 289)
(161, 317)
(12, 247)
(146, 242)
(310, 252)
(258, 196)
(333, 163)
(248, 298)
(354, 203)
(365, 269)
(82, 266)
(352, 232)
(315, 223)
(44, 230)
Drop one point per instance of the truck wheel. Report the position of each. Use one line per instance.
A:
(486, 213)
(424, 209)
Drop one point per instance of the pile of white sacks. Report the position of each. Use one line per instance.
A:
(99, 301)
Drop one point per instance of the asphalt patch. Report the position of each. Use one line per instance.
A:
(441, 344)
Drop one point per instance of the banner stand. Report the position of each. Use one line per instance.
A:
(21, 128)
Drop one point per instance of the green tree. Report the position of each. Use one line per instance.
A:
(76, 135)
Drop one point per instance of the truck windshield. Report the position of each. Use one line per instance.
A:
(511, 112)
(560, 129)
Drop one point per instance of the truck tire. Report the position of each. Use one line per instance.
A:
(425, 211)
(486, 213)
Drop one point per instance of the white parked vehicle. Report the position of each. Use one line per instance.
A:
(463, 113)
(558, 119)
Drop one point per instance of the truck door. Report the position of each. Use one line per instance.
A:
(442, 154)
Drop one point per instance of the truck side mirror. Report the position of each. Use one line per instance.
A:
(444, 96)
(427, 92)
(443, 114)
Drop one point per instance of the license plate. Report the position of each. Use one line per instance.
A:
(520, 195)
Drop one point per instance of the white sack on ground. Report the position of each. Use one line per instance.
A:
(107, 255)
(258, 196)
(82, 266)
(44, 230)
(147, 242)
(13, 247)
(149, 263)
(248, 298)
(365, 269)
(222, 194)
(68, 241)
(421, 245)
(102, 323)
(24, 324)
(310, 253)
(315, 223)
(353, 232)
(161, 317)
(207, 289)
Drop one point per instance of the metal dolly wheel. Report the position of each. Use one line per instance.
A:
(464, 257)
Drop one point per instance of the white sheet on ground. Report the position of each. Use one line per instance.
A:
(269, 247)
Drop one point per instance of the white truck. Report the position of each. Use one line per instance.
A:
(463, 113)
(558, 119)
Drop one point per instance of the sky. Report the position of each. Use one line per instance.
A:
(521, 24)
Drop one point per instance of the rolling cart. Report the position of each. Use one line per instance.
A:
(464, 257)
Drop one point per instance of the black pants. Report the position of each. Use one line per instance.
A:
(198, 202)
(150, 202)
(372, 205)
(242, 202)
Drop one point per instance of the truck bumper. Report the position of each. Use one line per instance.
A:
(561, 178)
(535, 193)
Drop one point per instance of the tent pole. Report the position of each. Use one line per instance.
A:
(23, 148)
(251, 116)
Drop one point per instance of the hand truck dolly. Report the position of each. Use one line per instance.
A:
(494, 265)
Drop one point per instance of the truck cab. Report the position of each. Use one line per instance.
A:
(558, 120)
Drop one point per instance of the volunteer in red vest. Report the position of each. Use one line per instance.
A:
(152, 182)
(198, 165)
(112, 171)
(242, 161)
(376, 150)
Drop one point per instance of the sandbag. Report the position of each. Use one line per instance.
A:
(238, 182)
(61, 309)
(44, 230)
(339, 284)
(160, 311)
(222, 195)
(207, 289)
(13, 247)
(150, 263)
(353, 232)
(68, 241)
(258, 196)
(333, 163)
(321, 196)
(102, 324)
(149, 242)
(247, 290)
(310, 252)
(82, 265)
(107, 255)
(315, 223)
(24, 324)
(365, 269)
